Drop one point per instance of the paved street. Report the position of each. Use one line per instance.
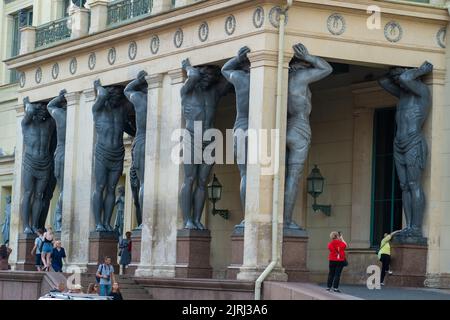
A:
(394, 293)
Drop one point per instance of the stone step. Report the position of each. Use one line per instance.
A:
(136, 297)
(128, 287)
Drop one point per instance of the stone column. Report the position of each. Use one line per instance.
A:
(70, 166)
(99, 15)
(27, 39)
(437, 181)
(160, 6)
(362, 178)
(16, 227)
(151, 182)
(259, 192)
(80, 22)
(58, 9)
(78, 177)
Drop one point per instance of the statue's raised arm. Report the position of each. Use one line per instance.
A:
(193, 76)
(389, 81)
(135, 86)
(30, 111)
(102, 95)
(57, 103)
(318, 67)
(410, 79)
(232, 69)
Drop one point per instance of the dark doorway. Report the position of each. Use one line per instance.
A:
(386, 193)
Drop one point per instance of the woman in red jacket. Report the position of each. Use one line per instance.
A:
(337, 260)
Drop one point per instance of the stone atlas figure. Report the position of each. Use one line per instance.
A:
(58, 110)
(136, 92)
(410, 146)
(37, 129)
(120, 210)
(237, 72)
(111, 121)
(7, 223)
(304, 69)
(200, 96)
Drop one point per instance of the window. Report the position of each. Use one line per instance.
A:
(386, 192)
(20, 19)
(65, 8)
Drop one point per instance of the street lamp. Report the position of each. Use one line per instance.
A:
(214, 195)
(315, 183)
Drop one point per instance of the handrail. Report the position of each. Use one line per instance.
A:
(122, 11)
(53, 31)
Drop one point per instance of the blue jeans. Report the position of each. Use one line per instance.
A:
(105, 289)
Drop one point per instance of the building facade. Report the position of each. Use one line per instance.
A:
(352, 121)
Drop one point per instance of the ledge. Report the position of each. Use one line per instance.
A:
(202, 284)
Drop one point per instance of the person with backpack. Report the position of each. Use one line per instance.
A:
(47, 248)
(38, 243)
(105, 277)
(337, 260)
(384, 254)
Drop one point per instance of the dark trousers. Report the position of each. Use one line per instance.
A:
(334, 275)
(385, 261)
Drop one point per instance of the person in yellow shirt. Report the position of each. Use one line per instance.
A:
(384, 254)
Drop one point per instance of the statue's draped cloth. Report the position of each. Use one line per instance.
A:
(111, 159)
(38, 167)
(411, 150)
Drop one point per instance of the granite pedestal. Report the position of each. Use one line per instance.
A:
(25, 260)
(237, 252)
(136, 236)
(193, 252)
(294, 255)
(101, 245)
(408, 263)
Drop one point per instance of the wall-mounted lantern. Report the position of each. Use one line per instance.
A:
(315, 183)
(214, 195)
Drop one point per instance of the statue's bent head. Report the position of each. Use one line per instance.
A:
(41, 113)
(209, 76)
(297, 64)
(115, 96)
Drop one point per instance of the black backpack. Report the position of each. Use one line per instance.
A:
(101, 271)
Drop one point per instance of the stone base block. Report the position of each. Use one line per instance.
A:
(409, 264)
(295, 243)
(251, 274)
(237, 252)
(193, 251)
(439, 281)
(294, 256)
(101, 245)
(136, 237)
(25, 260)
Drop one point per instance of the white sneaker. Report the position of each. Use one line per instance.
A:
(382, 284)
(390, 272)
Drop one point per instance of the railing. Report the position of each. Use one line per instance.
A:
(53, 31)
(121, 11)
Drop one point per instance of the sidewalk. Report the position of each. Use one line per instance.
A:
(394, 293)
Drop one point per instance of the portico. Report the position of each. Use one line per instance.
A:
(342, 123)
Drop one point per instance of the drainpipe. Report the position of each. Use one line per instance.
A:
(276, 180)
